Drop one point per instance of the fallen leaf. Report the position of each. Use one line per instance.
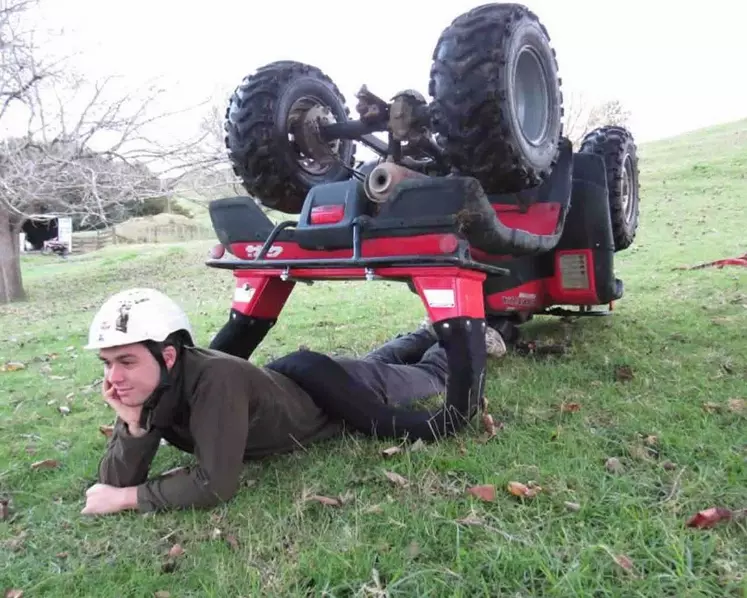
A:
(418, 445)
(572, 506)
(489, 425)
(484, 492)
(624, 562)
(639, 452)
(669, 466)
(570, 407)
(396, 478)
(62, 555)
(107, 430)
(162, 594)
(623, 373)
(176, 551)
(13, 593)
(13, 366)
(64, 410)
(523, 490)
(651, 440)
(471, 520)
(232, 541)
(613, 465)
(4, 510)
(325, 500)
(45, 464)
(391, 451)
(712, 407)
(737, 405)
(374, 509)
(215, 534)
(709, 517)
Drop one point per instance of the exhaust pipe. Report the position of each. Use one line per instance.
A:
(383, 179)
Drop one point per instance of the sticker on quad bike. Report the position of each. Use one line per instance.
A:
(252, 251)
(440, 297)
(243, 294)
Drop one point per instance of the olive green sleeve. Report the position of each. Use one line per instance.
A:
(219, 423)
(127, 458)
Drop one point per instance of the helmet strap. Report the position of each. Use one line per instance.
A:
(156, 349)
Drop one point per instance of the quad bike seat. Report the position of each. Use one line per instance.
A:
(419, 206)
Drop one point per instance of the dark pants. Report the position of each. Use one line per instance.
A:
(404, 370)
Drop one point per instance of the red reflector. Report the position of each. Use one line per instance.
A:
(327, 214)
(217, 252)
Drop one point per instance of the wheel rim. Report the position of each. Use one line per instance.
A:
(626, 189)
(302, 112)
(531, 96)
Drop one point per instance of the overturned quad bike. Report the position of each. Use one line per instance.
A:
(477, 202)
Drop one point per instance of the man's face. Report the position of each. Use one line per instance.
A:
(132, 371)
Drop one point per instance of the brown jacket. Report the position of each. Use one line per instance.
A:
(224, 410)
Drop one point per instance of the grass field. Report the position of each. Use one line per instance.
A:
(675, 428)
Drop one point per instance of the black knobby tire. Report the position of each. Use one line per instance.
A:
(618, 149)
(256, 126)
(477, 79)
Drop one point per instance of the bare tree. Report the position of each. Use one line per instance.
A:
(582, 117)
(83, 150)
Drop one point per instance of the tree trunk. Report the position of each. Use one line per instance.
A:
(11, 284)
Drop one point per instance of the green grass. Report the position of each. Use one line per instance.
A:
(681, 333)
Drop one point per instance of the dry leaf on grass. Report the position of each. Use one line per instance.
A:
(572, 506)
(624, 562)
(651, 440)
(107, 430)
(64, 410)
(712, 407)
(325, 500)
(162, 594)
(4, 510)
(45, 464)
(613, 465)
(709, 517)
(737, 405)
(395, 478)
(391, 451)
(471, 520)
(232, 542)
(176, 551)
(524, 490)
(489, 425)
(570, 407)
(623, 373)
(484, 492)
(418, 445)
(13, 593)
(13, 366)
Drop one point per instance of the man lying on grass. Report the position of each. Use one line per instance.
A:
(220, 408)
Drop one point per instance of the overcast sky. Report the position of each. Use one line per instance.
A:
(675, 66)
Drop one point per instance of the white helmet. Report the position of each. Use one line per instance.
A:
(136, 315)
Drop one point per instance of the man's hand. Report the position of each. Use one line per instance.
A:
(130, 415)
(102, 499)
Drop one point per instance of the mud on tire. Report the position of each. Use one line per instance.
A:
(497, 103)
(262, 116)
(618, 149)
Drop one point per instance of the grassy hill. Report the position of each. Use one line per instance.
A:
(676, 429)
